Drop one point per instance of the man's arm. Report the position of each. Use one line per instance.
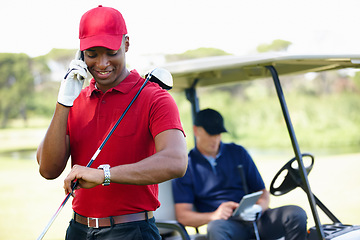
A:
(186, 215)
(53, 151)
(169, 161)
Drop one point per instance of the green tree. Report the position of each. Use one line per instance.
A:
(16, 86)
(356, 80)
(196, 53)
(46, 69)
(277, 45)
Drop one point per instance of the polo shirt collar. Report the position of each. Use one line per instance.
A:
(124, 87)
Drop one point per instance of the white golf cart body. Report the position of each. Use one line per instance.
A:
(192, 74)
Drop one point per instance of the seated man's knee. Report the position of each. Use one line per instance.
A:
(227, 229)
(216, 225)
(297, 214)
(215, 230)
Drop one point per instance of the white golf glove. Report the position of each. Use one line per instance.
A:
(73, 81)
(252, 213)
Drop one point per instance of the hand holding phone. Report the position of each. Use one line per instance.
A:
(73, 81)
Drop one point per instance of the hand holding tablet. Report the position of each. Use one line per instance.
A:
(248, 210)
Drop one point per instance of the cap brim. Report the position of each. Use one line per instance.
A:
(112, 42)
(215, 131)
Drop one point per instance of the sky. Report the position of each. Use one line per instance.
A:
(175, 26)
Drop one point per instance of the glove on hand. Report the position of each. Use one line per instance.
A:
(73, 81)
(252, 213)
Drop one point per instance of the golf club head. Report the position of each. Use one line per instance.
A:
(162, 77)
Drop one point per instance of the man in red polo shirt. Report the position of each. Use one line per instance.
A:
(116, 196)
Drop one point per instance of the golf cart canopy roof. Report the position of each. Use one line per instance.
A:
(231, 69)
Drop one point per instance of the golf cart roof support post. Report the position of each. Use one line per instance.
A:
(193, 99)
(297, 152)
(191, 95)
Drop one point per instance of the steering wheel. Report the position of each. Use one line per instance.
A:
(292, 178)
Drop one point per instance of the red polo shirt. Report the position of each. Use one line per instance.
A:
(91, 118)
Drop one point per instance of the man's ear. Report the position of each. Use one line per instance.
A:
(195, 129)
(127, 43)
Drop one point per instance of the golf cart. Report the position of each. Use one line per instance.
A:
(192, 74)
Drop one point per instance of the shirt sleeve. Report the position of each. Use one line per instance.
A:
(183, 189)
(164, 113)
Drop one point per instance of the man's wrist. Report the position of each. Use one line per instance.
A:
(106, 169)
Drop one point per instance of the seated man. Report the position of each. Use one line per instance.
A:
(213, 186)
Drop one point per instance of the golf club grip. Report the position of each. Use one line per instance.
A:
(243, 178)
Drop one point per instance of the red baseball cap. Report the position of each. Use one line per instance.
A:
(101, 27)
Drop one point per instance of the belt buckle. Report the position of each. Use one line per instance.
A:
(96, 222)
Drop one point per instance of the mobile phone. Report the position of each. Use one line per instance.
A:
(82, 55)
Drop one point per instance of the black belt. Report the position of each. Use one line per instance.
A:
(109, 221)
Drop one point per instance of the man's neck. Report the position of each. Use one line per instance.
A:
(210, 154)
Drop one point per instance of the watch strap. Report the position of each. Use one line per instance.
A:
(106, 169)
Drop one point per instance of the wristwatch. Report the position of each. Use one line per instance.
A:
(106, 168)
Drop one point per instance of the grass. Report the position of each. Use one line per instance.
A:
(21, 136)
(333, 180)
(28, 201)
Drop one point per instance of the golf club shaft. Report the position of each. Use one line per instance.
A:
(256, 230)
(54, 217)
(94, 157)
(246, 191)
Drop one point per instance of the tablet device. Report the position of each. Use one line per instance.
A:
(247, 201)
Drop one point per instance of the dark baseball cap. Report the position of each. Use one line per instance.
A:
(211, 121)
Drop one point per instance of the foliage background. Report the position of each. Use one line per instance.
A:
(324, 109)
(322, 121)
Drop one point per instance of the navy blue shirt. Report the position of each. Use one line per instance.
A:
(207, 188)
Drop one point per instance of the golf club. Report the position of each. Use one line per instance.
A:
(246, 191)
(162, 77)
(157, 75)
